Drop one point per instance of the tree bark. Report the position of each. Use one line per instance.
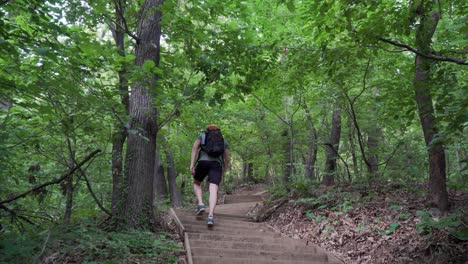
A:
(429, 18)
(331, 149)
(287, 156)
(311, 147)
(68, 129)
(141, 144)
(119, 134)
(352, 145)
(373, 138)
(176, 199)
(247, 170)
(250, 170)
(159, 180)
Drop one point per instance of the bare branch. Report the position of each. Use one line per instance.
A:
(94, 195)
(363, 81)
(120, 13)
(427, 56)
(267, 108)
(56, 181)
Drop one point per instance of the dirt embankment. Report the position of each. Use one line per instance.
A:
(380, 224)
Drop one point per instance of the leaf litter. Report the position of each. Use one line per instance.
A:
(377, 224)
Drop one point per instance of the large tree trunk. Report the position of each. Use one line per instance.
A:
(141, 144)
(311, 147)
(421, 83)
(331, 149)
(119, 134)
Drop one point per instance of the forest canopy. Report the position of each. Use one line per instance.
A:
(100, 101)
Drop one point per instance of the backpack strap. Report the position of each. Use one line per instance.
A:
(203, 138)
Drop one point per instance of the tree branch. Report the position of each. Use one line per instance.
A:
(93, 195)
(352, 113)
(339, 156)
(120, 12)
(56, 181)
(14, 214)
(178, 103)
(427, 56)
(267, 108)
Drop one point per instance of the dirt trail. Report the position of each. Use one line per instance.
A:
(234, 239)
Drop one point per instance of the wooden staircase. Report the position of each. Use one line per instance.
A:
(235, 240)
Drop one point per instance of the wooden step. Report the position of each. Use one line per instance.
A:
(218, 214)
(258, 254)
(262, 246)
(230, 199)
(223, 260)
(234, 239)
(219, 229)
(225, 224)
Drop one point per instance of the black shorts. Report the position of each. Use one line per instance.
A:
(211, 168)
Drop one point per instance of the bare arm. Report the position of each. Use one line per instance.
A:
(196, 145)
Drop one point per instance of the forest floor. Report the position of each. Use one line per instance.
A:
(385, 223)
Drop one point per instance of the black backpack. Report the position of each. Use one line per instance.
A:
(213, 143)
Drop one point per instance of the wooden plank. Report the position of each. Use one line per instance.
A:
(179, 224)
(188, 250)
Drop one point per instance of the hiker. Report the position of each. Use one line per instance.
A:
(211, 154)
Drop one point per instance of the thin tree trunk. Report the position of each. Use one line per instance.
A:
(372, 147)
(287, 156)
(69, 201)
(71, 162)
(352, 146)
(311, 147)
(176, 199)
(460, 157)
(421, 83)
(331, 149)
(119, 134)
(141, 146)
(250, 170)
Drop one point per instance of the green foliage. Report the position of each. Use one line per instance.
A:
(391, 229)
(428, 224)
(89, 243)
(277, 191)
(461, 233)
(404, 216)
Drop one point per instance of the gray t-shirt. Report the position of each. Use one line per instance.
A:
(203, 156)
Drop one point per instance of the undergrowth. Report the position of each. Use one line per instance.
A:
(86, 243)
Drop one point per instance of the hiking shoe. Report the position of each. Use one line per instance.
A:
(210, 221)
(200, 209)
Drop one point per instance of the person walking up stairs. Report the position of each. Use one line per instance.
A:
(211, 153)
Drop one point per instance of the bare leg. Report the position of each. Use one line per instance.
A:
(213, 198)
(198, 191)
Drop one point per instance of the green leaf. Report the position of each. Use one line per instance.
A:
(461, 233)
(42, 51)
(149, 65)
(290, 5)
(391, 228)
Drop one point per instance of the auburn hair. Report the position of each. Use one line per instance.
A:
(212, 127)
